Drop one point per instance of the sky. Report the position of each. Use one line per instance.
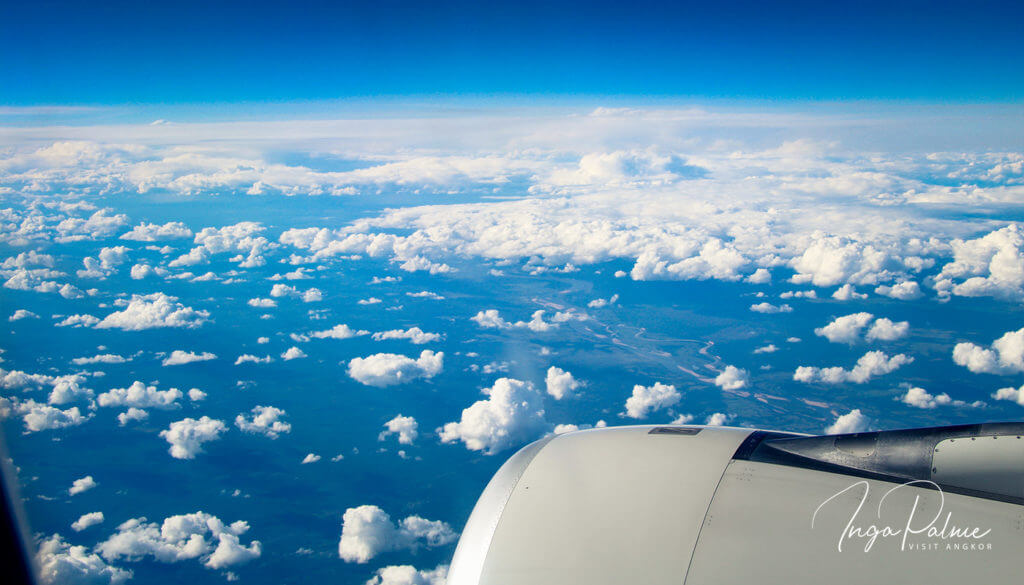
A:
(284, 285)
(123, 52)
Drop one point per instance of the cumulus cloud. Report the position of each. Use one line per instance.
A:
(1011, 394)
(264, 420)
(60, 563)
(732, 378)
(179, 357)
(82, 485)
(341, 331)
(387, 369)
(22, 314)
(992, 266)
(405, 427)
(413, 334)
(648, 399)
(409, 575)
(1005, 357)
(851, 422)
(886, 330)
(151, 232)
(41, 417)
(78, 321)
(368, 531)
(770, 348)
(132, 414)
(492, 319)
(907, 290)
(103, 358)
(284, 290)
(140, 396)
(512, 414)
(870, 365)
(845, 329)
(920, 398)
(560, 383)
(848, 329)
(768, 308)
(87, 520)
(153, 311)
(187, 436)
(197, 535)
(847, 293)
(293, 353)
(310, 458)
(249, 358)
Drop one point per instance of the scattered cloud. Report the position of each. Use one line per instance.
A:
(648, 399)
(388, 369)
(179, 357)
(870, 365)
(187, 436)
(512, 414)
(368, 531)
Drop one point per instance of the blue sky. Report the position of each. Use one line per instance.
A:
(121, 52)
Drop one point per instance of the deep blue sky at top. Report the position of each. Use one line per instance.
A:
(185, 51)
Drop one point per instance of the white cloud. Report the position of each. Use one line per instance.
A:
(249, 358)
(1011, 394)
(908, 290)
(197, 535)
(413, 334)
(81, 485)
(425, 294)
(342, 331)
(491, 319)
(310, 458)
(600, 303)
(60, 563)
(1005, 357)
(78, 321)
(370, 301)
(759, 276)
(262, 303)
(264, 420)
(140, 396)
(179, 357)
(195, 394)
(770, 348)
(920, 398)
(768, 308)
(886, 330)
(405, 427)
(871, 364)
(87, 520)
(293, 353)
(151, 232)
(194, 257)
(103, 358)
(22, 314)
(40, 417)
(132, 414)
(387, 369)
(409, 575)
(732, 378)
(648, 399)
(284, 290)
(512, 414)
(845, 329)
(992, 265)
(560, 383)
(851, 422)
(152, 311)
(368, 531)
(847, 293)
(187, 436)
(717, 419)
